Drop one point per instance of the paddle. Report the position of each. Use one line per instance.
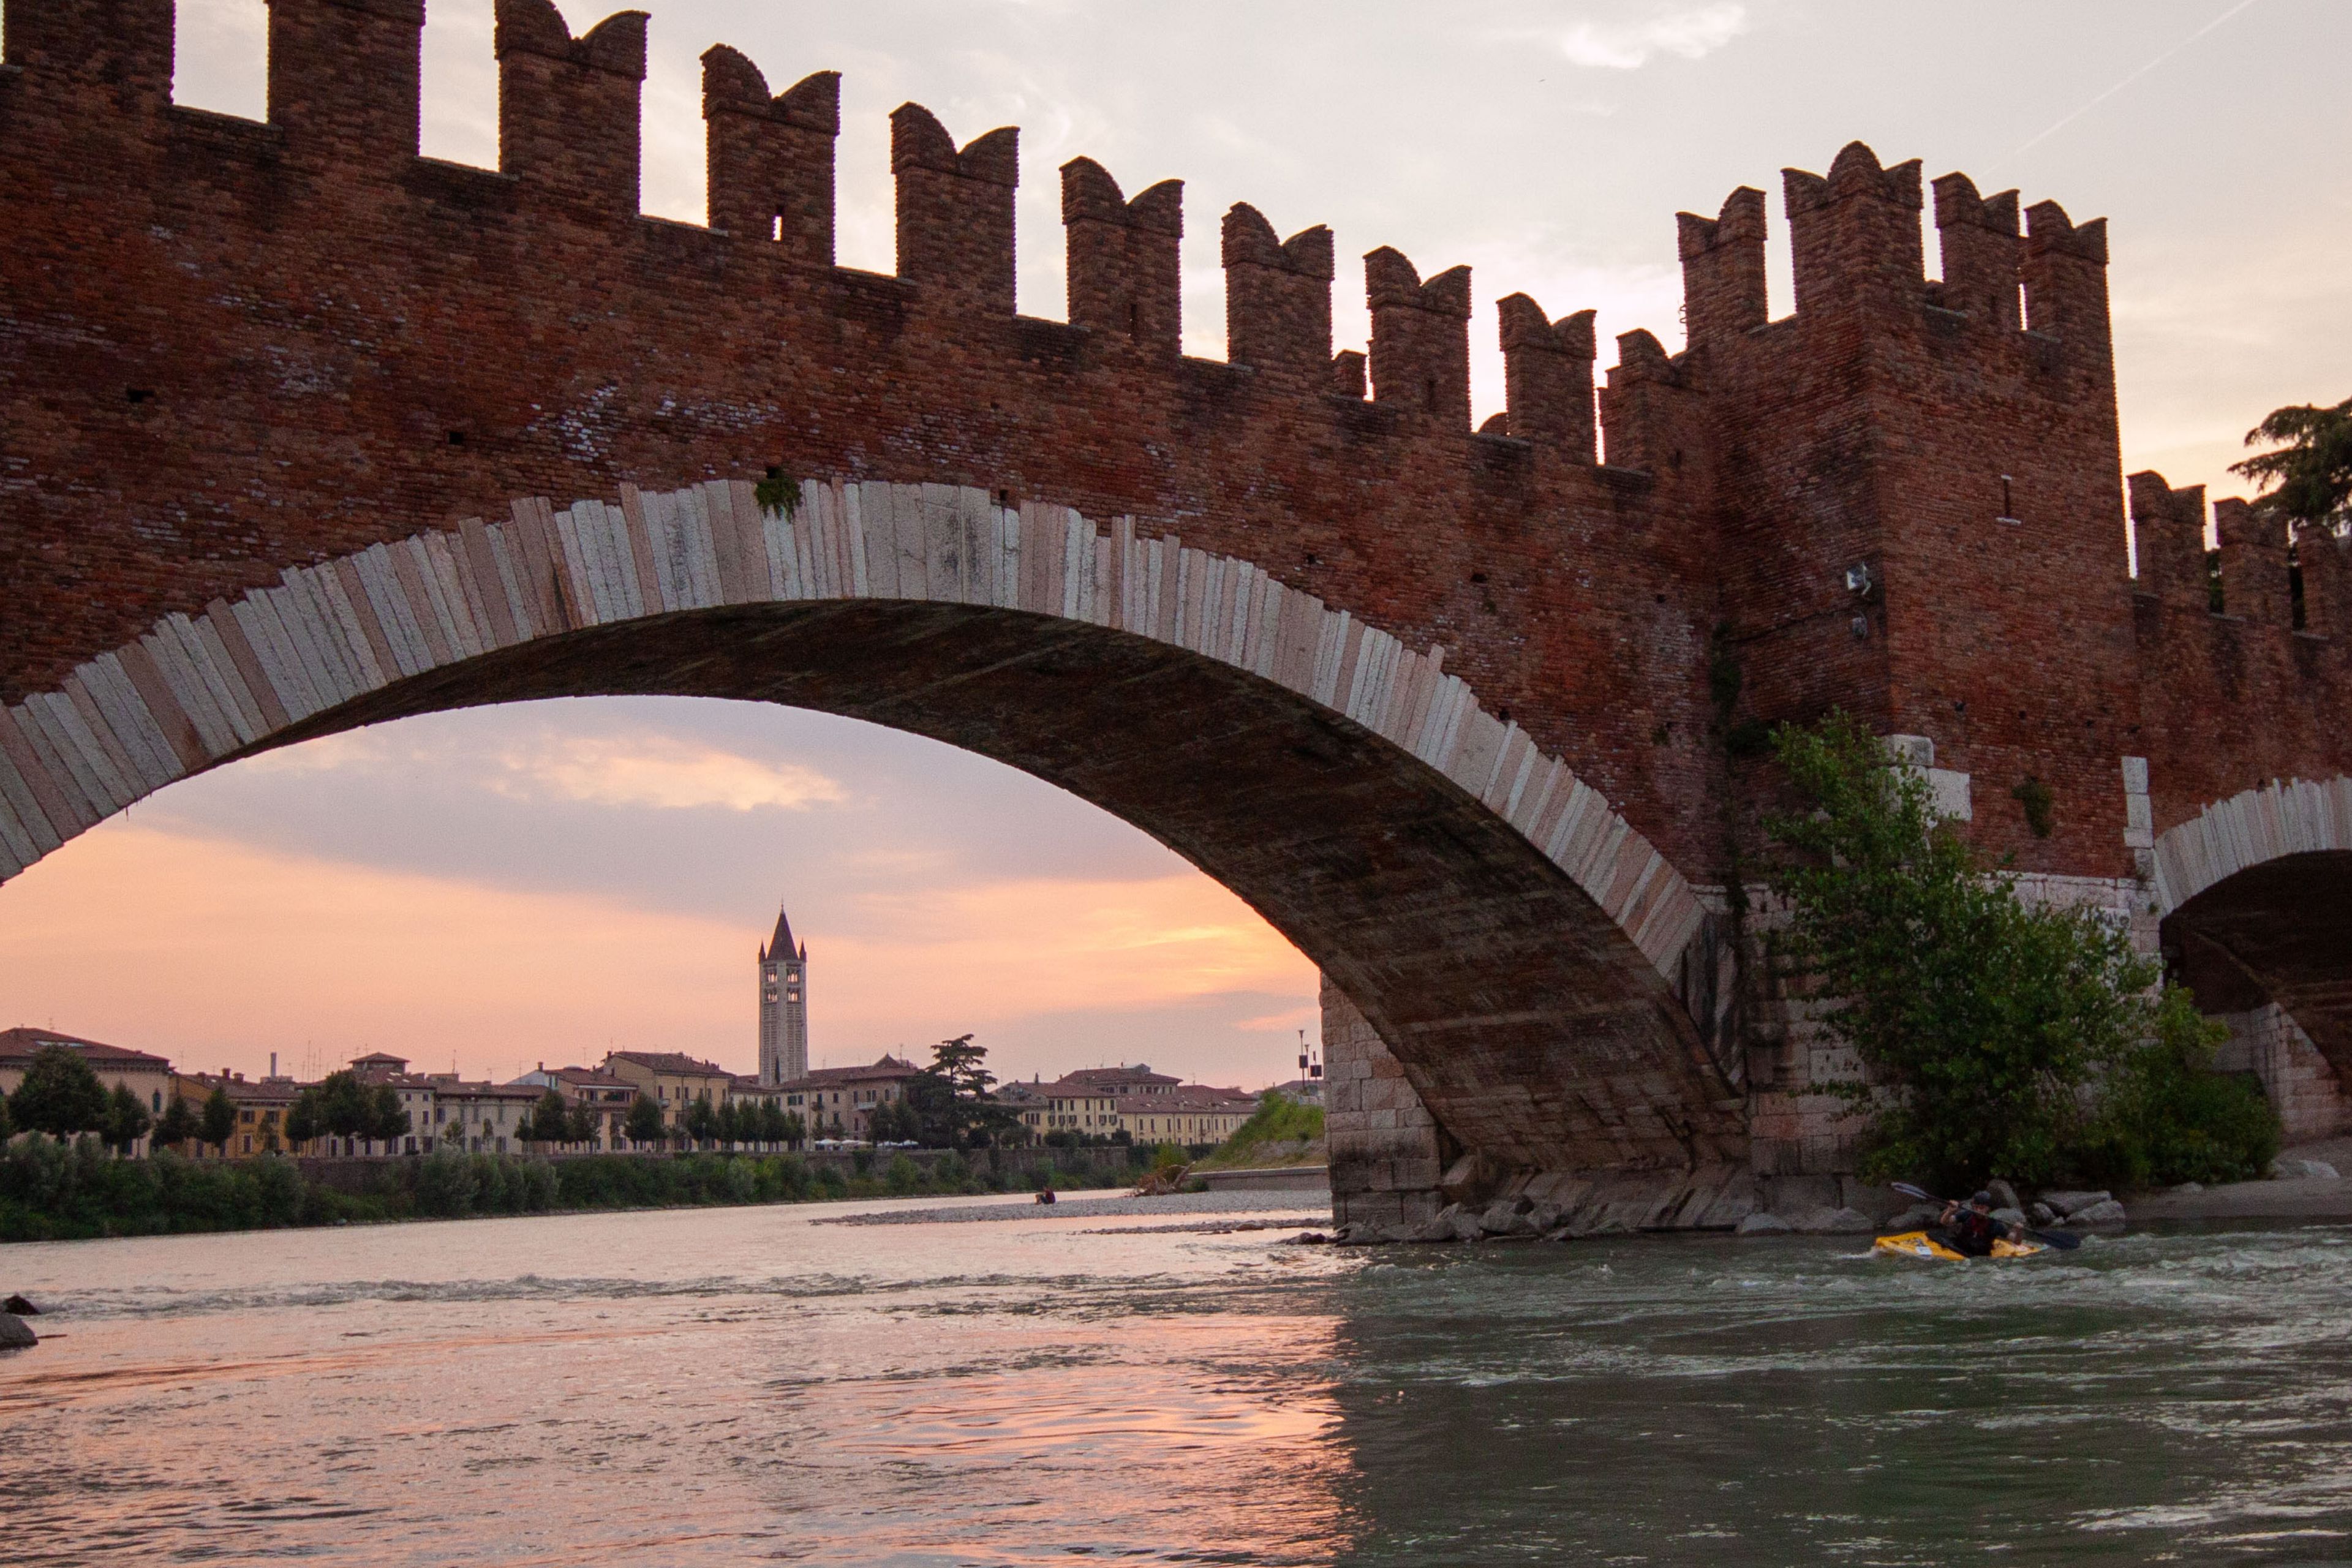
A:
(2060, 1239)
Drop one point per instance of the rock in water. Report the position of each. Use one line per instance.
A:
(2106, 1213)
(2043, 1215)
(2303, 1170)
(2068, 1203)
(1763, 1224)
(15, 1335)
(22, 1308)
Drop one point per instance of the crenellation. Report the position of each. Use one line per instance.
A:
(1982, 248)
(955, 208)
(1278, 297)
(1641, 406)
(1125, 266)
(2254, 581)
(1722, 267)
(120, 51)
(2064, 270)
(1854, 235)
(1548, 377)
(2169, 536)
(2324, 561)
(1421, 337)
(569, 109)
(345, 78)
(771, 159)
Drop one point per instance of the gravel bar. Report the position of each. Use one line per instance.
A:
(1249, 1203)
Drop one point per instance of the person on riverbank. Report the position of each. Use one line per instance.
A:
(1969, 1229)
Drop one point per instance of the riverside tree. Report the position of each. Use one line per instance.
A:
(218, 1123)
(548, 1122)
(60, 1095)
(644, 1125)
(2001, 1039)
(177, 1125)
(127, 1120)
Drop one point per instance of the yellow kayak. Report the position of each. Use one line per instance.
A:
(1919, 1244)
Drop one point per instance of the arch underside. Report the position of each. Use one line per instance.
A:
(1533, 1028)
(2277, 931)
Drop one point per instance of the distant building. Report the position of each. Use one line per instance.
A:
(479, 1118)
(783, 1006)
(1125, 1080)
(261, 1107)
(835, 1102)
(149, 1078)
(1188, 1114)
(673, 1079)
(607, 1094)
(416, 1092)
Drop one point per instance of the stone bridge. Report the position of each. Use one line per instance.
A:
(300, 431)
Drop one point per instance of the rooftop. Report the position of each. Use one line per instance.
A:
(670, 1062)
(23, 1044)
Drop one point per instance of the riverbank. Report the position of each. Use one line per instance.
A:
(2301, 1198)
(49, 1192)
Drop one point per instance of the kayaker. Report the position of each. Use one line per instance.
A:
(1969, 1229)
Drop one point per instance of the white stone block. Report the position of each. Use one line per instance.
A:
(2135, 775)
(1948, 795)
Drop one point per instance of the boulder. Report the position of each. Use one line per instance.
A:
(2008, 1216)
(2043, 1215)
(1354, 1236)
(1465, 1225)
(2284, 1170)
(2004, 1196)
(2190, 1187)
(2066, 1202)
(1511, 1219)
(22, 1308)
(2105, 1213)
(1918, 1217)
(1837, 1222)
(1763, 1224)
(15, 1335)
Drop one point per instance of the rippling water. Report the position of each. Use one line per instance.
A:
(746, 1384)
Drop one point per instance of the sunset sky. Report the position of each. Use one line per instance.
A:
(504, 887)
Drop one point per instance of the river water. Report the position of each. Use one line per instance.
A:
(750, 1385)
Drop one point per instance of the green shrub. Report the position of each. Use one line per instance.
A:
(2001, 1038)
(2167, 1116)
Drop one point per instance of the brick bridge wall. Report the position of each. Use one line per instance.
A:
(229, 348)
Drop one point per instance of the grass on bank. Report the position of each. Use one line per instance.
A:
(1281, 1132)
(51, 1191)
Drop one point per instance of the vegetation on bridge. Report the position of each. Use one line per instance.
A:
(1997, 1036)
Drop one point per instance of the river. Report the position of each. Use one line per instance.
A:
(730, 1385)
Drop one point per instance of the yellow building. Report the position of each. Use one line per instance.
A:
(261, 1107)
(673, 1079)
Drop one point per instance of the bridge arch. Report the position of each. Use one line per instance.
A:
(1503, 930)
(2255, 892)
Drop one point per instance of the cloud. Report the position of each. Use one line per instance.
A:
(1690, 33)
(667, 774)
(629, 768)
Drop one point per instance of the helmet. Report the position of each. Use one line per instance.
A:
(1984, 1198)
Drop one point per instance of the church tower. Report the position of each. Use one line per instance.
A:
(783, 1006)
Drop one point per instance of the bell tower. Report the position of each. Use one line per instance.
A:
(783, 1006)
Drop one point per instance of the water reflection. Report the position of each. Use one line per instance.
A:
(689, 1387)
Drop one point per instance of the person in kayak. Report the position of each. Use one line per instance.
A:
(1969, 1229)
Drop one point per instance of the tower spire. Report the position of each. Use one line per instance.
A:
(784, 1005)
